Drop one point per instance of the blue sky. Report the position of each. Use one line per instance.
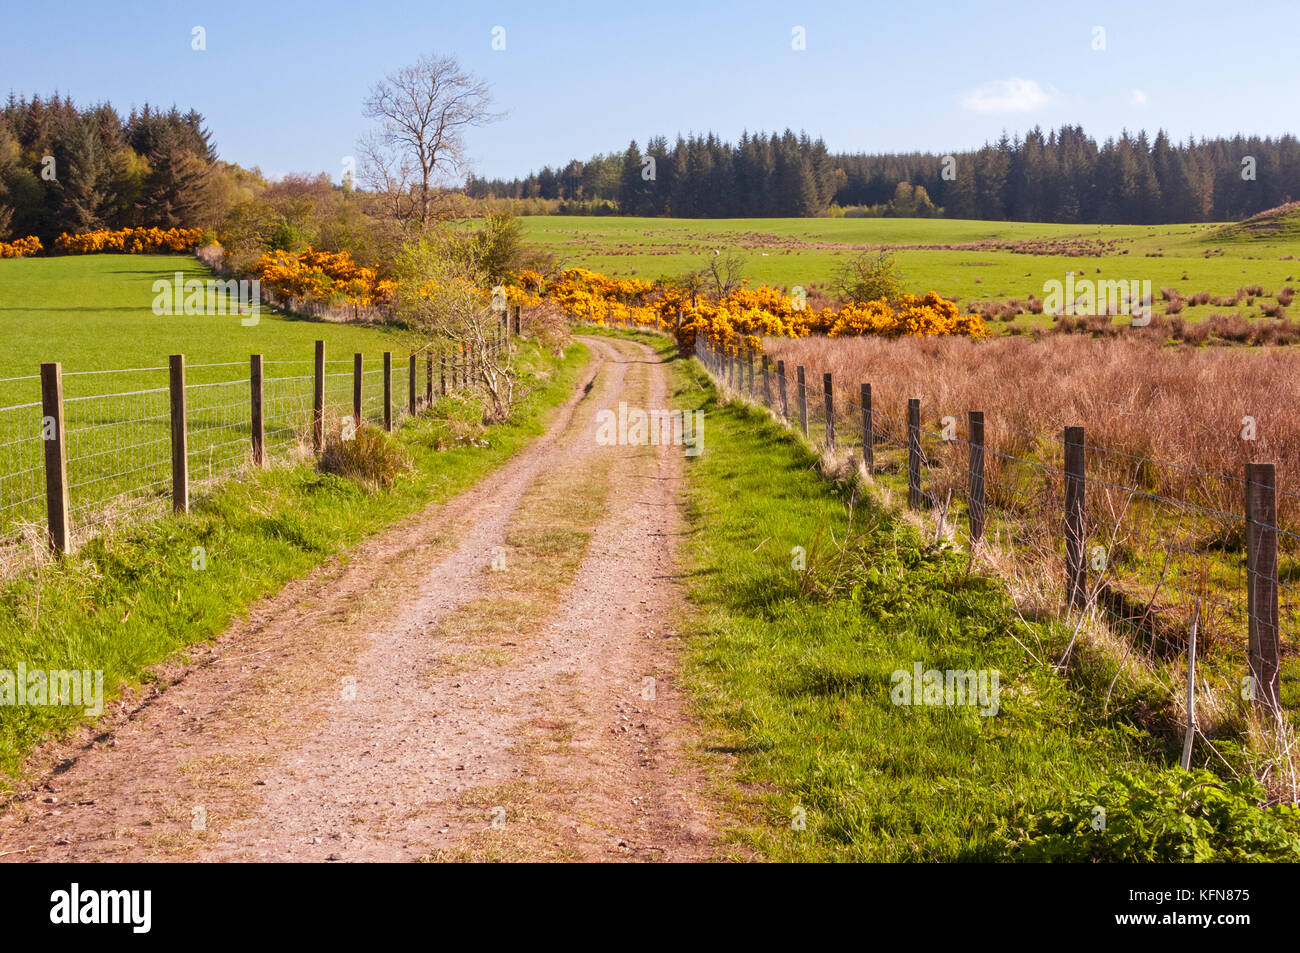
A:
(281, 84)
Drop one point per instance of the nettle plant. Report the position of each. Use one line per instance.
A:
(1174, 816)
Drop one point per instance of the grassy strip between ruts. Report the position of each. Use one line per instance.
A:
(793, 672)
(128, 600)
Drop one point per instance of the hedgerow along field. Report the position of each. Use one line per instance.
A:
(1216, 259)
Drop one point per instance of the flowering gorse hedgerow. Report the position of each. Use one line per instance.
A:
(19, 247)
(323, 277)
(746, 315)
(740, 318)
(131, 241)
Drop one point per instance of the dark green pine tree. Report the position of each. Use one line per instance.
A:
(657, 192)
(630, 183)
(84, 184)
(176, 188)
(680, 198)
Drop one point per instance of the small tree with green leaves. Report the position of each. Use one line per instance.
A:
(869, 276)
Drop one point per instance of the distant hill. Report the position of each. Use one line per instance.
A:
(1275, 224)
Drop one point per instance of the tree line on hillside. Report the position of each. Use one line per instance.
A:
(1059, 176)
(69, 169)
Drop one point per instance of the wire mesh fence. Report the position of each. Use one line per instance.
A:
(114, 458)
(22, 480)
(119, 456)
(1096, 527)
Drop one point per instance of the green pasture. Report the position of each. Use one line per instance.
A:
(94, 315)
(807, 252)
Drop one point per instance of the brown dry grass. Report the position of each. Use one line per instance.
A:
(1183, 407)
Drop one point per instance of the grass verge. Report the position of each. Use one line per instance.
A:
(809, 600)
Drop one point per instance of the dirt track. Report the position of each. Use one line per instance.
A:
(406, 702)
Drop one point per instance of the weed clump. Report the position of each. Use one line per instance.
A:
(369, 456)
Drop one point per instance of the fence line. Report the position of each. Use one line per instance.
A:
(70, 465)
(1148, 562)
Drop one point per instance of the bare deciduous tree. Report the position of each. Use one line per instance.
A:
(727, 270)
(422, 111)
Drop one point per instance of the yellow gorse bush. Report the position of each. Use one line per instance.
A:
(746, 315)
(323, 277)
(131, 241)
(21, 247)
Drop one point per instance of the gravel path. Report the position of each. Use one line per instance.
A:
(329, 726)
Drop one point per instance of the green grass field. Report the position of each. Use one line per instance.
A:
(93, 314)
(788, 252)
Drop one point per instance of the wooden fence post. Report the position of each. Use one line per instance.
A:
(180, 438)
(750, 358)
(358, 374)
(1076, 566)
(256, 420)
(780, 386)
(519, 320)
(801, 392)
(767, 385)
(975, 440)
(868, 434)
(1262, 584)
(428, 380)
(410, 389)
(57, 507)
(442, 374)
(914, 497)
(318, 401)
(830, 412)
(388, 391)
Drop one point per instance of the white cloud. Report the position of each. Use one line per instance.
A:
(1139, 98)
(1007, 95)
